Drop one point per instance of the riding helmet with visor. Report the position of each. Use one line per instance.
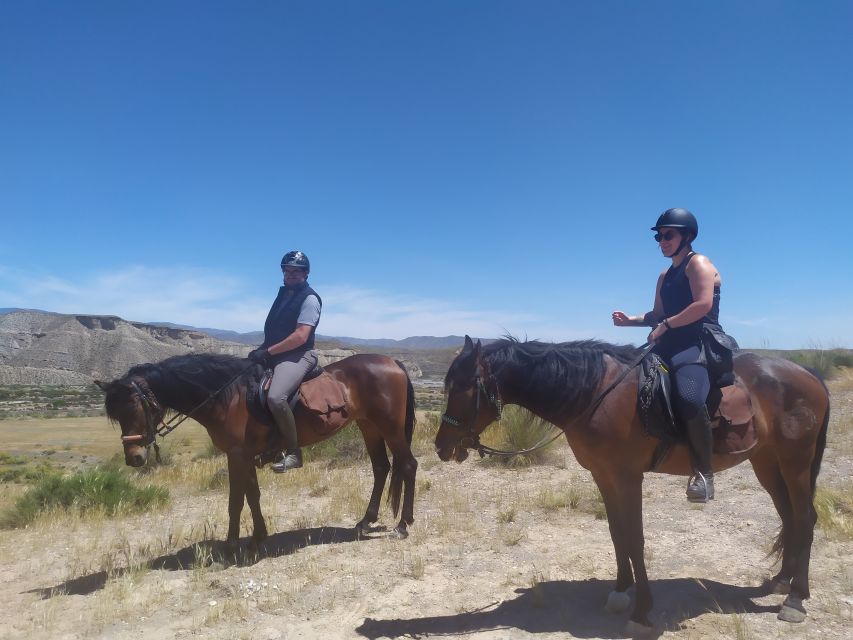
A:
(679, 219)
(296, 259)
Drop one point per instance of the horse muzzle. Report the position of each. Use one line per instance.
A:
(135, 455)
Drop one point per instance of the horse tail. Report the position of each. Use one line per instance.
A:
(820, 445)
(395, 488)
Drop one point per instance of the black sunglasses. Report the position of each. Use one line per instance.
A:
(669, 235)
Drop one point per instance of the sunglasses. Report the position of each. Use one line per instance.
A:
(668, 235)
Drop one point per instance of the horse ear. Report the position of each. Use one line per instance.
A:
(469, 344)
(103, 385)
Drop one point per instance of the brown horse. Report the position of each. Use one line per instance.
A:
(563, 384)
(380, 399)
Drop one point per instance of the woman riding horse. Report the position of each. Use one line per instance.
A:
(687, 306)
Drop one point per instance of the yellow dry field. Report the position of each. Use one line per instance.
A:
(495, 553)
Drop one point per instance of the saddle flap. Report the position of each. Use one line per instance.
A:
(323, 394)
(735, 405)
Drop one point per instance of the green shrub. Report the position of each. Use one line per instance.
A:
(518, 430)
(344, 448)
(825, 361)
(94, 490)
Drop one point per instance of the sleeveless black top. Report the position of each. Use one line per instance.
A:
(676, 296)
(282, 319)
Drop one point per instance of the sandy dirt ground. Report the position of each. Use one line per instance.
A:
(494, 553)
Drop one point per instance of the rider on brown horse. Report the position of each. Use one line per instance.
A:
(688, 337)
(288, 348)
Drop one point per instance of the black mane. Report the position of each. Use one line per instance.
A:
(181, 383)
(560, 379)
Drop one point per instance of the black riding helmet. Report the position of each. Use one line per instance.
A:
(296, 259)
(678, 218)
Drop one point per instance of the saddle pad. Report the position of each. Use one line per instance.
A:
(323, 394)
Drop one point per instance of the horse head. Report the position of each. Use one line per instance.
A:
(472, 403)
(130, 402)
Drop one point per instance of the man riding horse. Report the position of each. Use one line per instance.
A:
(288, 349)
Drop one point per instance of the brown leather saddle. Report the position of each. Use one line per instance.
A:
(730, 408)
(320, 394)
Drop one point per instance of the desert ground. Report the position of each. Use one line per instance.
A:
(495, 552)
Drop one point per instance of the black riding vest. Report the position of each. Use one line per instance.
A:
(281, 320)
(676, 296)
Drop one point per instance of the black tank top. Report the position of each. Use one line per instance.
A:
(676, 296)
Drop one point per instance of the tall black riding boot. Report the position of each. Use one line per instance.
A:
(700, 486)
(287, 426)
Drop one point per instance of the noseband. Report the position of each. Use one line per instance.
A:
(471, 439)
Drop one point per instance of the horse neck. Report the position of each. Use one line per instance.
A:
(173, 394)
(546, 398)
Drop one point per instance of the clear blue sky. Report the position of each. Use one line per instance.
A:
(449, 167)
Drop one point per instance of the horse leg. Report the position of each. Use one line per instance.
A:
(623, 500)
(769, 475)
(803, 520)
(405, 467)
(237, 481)
(253, 498)
(381, 466)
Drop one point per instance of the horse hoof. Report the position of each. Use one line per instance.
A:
(638, 630)
(617, 602)
(792, 610)
(399, 534)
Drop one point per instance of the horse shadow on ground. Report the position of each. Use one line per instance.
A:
(210, 552)
(577, 607)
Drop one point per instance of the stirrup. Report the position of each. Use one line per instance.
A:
(288, 462)
(700, 488)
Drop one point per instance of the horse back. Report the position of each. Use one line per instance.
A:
(376, 384)
(792, 401)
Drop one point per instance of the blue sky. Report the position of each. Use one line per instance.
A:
(449, 167)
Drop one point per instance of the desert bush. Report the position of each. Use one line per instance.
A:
(344, 448)
(93, 490)
(517, 430)
(22, 469)
(825, 361)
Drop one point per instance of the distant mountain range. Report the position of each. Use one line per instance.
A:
(48, 348)
(256, 337)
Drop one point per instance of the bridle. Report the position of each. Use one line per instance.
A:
(154, 424)
(154, 414)
(470, 438)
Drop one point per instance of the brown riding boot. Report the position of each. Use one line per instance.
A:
(700, 486)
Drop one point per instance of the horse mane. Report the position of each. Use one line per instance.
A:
(558, 378)
(180, 383)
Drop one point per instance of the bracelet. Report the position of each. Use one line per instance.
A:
(666, 323)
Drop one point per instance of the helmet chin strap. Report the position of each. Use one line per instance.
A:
(684, 242)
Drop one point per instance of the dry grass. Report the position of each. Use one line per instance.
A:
(835, 512)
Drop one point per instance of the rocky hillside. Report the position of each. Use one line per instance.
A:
(38, 348)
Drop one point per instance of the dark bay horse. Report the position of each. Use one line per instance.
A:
(563, 383)
(381, 400)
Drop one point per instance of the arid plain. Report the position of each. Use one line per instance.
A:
(495, 552)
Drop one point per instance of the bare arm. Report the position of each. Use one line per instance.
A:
(293, 341)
